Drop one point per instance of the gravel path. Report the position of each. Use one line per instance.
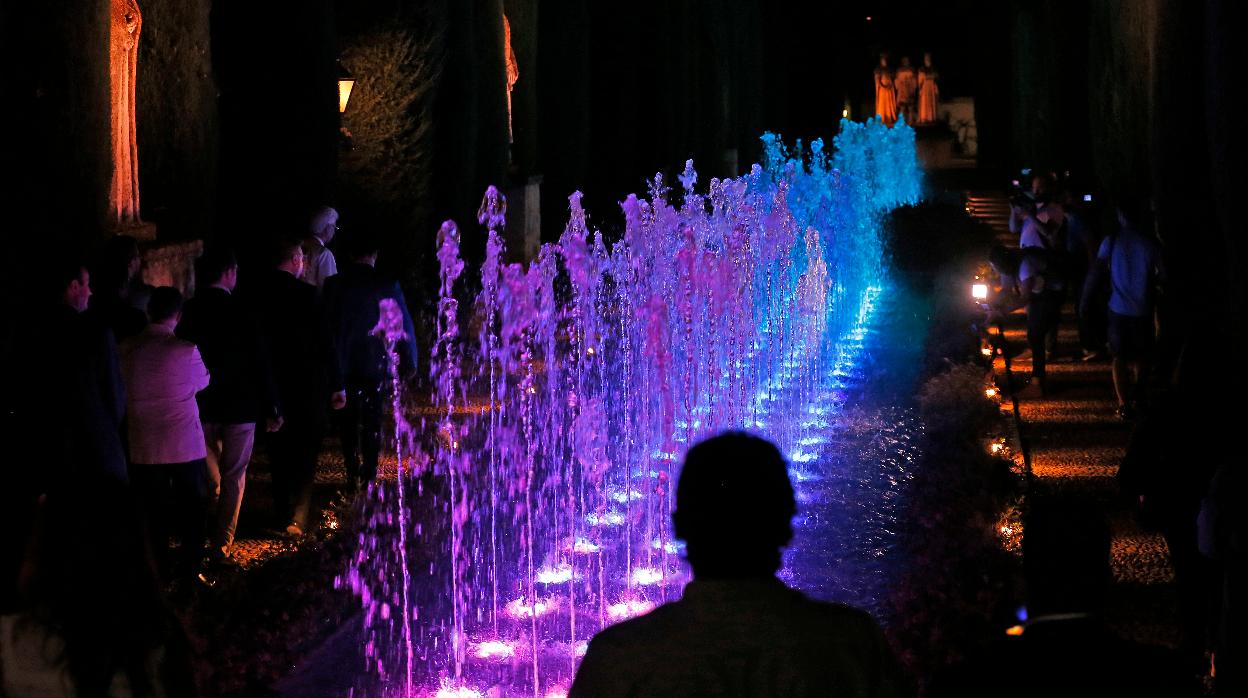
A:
(1076, 443)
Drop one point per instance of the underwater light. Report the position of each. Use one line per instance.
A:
(583, 546)
(629, 609)
(554, 575)
(491, 649)
(647, 576)
(518, 609)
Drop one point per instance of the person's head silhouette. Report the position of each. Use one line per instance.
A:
(734, 507)
(1066, 557)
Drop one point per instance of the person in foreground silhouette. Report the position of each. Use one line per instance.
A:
(1066, 647)
(92, 621)
(738, 631)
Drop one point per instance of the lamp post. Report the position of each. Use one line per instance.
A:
(346, 83)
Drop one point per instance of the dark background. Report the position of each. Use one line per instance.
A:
(238, 127)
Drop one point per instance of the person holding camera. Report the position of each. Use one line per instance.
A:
(1043, 287)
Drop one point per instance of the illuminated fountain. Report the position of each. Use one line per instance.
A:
(533, 502)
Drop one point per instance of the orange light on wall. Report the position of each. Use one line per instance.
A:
(345, 84)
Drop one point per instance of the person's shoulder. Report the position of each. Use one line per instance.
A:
(839, 614)
(639, 630)
(175, 344)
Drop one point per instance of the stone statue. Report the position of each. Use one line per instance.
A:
(513, 72)
(929, 92)
(885, 92)
(123, 193)
(907, 87)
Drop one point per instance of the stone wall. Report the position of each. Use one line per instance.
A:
(177, 118)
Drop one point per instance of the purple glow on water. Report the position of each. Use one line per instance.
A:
(545, 516)
(628, 609)
(520, 609)
(494, 649)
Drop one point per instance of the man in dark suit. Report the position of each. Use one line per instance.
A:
(79, 401)
(119, 296)
(306, 374)
(62, 414)
(352, 298)
(241, 394)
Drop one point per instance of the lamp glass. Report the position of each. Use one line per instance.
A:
(345, 85)
(979, 291)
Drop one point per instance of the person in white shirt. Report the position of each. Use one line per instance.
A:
(319, 261)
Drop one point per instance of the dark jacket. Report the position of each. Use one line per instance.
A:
(71, 400)
(293, 328)
(351, 300)
(227, 334)
(116, 313)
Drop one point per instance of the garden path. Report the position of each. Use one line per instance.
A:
(1074, 443)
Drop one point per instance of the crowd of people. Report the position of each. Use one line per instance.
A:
(141, 402)
(1113, 280)
(139, 411)
(1177, 482)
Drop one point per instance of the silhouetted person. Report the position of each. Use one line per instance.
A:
(738, 631)
(351, 300)
(1132, 259)
(1167, 469)
(306, 374)
(1223, 535)
(167, 453)
(62, 409)
(1066, 647)
(120, 297)
(241, 394)
(92, 621)
(1042, 286)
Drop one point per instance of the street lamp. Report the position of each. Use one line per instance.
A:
(345, 84)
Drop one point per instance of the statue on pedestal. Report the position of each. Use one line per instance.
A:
(513, 73)
(929, 92)
(123, 195)
(907, 87)
(885, 92)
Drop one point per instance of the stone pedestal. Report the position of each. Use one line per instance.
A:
(524, 220)
(171, 264)
(143, 232)
(934, 146)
